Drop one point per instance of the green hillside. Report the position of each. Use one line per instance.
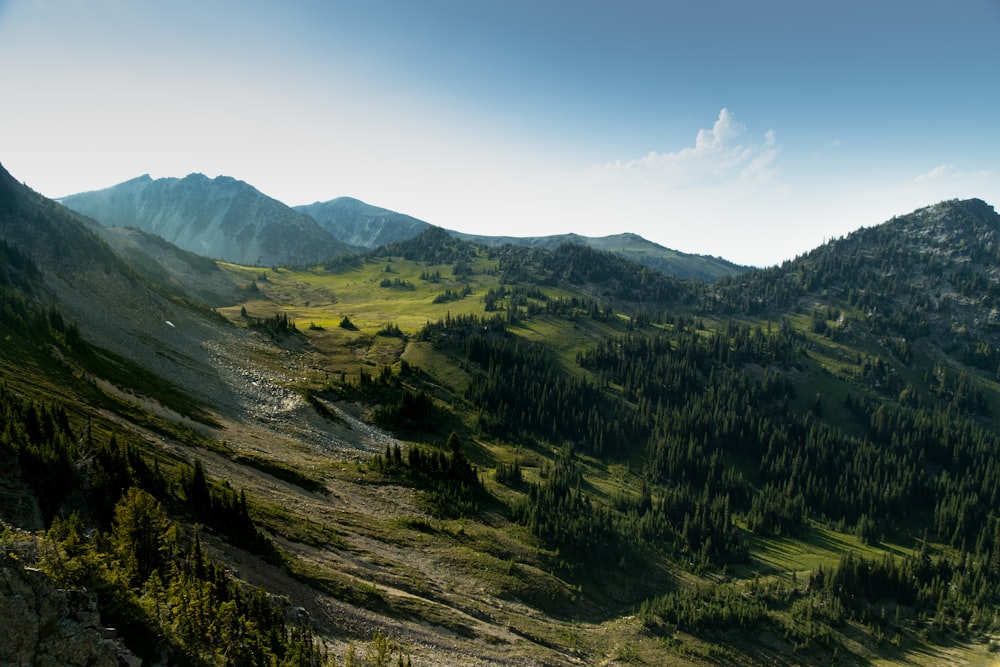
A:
(768, 448)
(445, 453)
(630, 246)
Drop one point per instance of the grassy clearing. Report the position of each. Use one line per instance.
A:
(338, 585)
(817, 546)
(280, 470)
(281, 520)
(435, 366)
(324, 298)
(565, 339)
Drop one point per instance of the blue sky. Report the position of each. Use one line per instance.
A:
(749, 130)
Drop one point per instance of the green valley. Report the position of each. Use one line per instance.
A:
(448, 453)
(692, 447)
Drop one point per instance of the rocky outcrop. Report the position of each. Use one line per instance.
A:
(43, 625)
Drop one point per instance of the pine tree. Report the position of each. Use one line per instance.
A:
(138, 533)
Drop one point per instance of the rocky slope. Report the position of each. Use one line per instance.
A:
(222, 218)
(138, 313)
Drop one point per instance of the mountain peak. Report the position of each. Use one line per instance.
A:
(202, 180)
(348, 200)
(363, 225)
(975, 207)
(953, 216)
(219, 217)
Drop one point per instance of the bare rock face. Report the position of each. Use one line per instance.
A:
(46, 626)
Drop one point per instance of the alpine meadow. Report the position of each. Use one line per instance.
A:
(443, 450)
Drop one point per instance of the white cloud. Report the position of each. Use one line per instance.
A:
(950, 172)
(717, 159)
(725, 129)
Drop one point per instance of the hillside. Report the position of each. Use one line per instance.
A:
(451, 453)
(363, 225)
(923, 284)
(222, 218)
(630, 246)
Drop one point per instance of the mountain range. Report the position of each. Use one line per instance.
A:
(230, 220)
(452, 452)
(220, 217)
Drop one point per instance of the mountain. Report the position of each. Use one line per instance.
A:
(120, 299)
(449, 453)
(363, 225)
(930, 275)
(227, 219)
(359, 224)
(221, 218)
(630, 246)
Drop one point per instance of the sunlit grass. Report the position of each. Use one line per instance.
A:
(324, 298)
(817, 546)
(566, 338)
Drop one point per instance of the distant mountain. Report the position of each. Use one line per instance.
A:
(628, 245)
(359, 224)
(228, 219)
(222, 218)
